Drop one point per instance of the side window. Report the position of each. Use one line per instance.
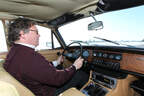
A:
(3, 45)
(45, 41)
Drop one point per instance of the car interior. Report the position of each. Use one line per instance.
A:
(112, 70)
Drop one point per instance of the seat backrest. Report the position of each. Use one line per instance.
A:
(6, 77)
(6, 89)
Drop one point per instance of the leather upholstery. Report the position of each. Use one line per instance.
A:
(6, 77)
(7, 89)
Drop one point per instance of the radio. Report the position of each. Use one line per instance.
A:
(104, 80)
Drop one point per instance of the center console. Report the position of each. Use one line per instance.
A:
(94, 89)
(104, 80)
(99, 85)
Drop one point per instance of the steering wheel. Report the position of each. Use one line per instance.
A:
(72, 55)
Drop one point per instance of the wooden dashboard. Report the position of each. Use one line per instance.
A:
(131, 61)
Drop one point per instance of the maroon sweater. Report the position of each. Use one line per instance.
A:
(34, 71)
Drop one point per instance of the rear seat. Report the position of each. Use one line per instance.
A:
(7, 79)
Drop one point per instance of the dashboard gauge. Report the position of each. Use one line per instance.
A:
(111, 56)
(118, 57)
(105, 55)
(85, 54)
(100, 54)
(94, 53)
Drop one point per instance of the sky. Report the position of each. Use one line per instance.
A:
(131, 22)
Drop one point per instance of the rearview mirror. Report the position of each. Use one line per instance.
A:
(95, 25)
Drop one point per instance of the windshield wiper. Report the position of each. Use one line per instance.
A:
(112, 41)
(107, 40)
(80, 41)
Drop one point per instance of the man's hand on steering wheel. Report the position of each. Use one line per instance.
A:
(78, 63)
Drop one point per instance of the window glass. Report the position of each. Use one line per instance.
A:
(3, 45)
(121, 28)
(45, 39)
(56, 43)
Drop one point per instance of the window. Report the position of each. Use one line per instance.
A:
(3, 45)
(122, 27)
(45, 39)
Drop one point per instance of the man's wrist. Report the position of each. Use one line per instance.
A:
(74, 66)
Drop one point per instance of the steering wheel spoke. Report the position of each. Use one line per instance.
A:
(72, 54)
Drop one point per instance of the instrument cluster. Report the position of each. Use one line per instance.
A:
(97, 58)
(112, 56)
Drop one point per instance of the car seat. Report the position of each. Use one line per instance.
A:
(5, 77)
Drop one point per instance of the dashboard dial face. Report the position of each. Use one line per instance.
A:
(85, 54)
(118, 57)
(111, 56)
(105, 55)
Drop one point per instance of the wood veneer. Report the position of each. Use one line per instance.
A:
(133, 62)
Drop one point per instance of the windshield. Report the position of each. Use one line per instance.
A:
(121, 28)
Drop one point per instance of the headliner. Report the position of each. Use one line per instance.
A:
(57, 12)
(43, 10)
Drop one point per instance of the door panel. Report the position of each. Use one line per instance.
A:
(51, 55)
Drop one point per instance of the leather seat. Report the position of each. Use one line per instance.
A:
(72, 92)
(6, 89)
(7, 78)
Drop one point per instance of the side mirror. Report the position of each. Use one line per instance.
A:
(95, 25)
